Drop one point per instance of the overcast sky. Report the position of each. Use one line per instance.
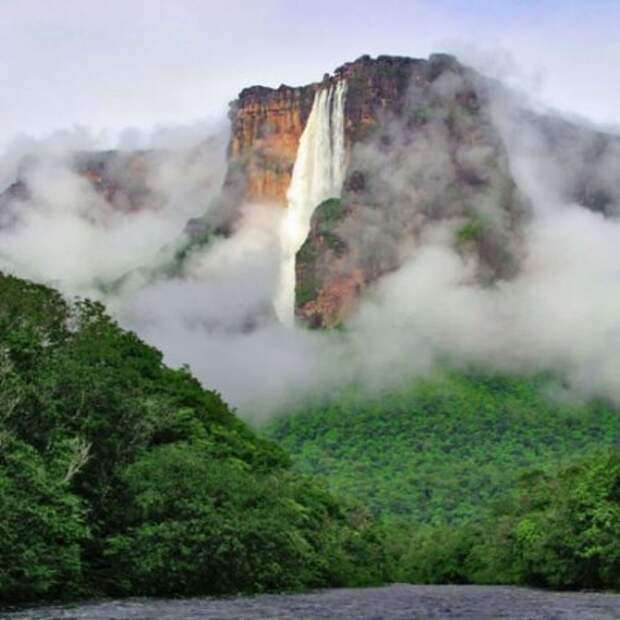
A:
(116, 64)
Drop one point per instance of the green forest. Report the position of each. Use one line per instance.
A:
(440, 451)
(474, 478)
(121, 476)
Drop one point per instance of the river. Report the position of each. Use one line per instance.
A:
(390, 602)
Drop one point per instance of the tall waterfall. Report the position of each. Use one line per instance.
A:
(318, 174)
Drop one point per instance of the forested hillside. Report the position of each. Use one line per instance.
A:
(121, 476)
(439, 451)
(476, 478)
(557, 530)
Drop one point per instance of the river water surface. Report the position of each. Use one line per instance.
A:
(396, 601)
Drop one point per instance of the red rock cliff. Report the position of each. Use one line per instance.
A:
(267, 123)
(266, 127)
(394, 106)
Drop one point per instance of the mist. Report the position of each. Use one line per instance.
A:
(65, 232)
(429, 312)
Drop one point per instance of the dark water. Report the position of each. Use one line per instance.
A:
(396, 601)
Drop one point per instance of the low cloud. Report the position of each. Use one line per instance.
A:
(81, 235)
(559, 312)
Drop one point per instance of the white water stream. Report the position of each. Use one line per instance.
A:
(318, 174)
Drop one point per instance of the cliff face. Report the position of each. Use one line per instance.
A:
(267, 123)
(266, 127)
(385, 96)
(379, 88)
(119, 178)
(410, 127)
(423, 150)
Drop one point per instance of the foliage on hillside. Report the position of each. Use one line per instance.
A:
(119, 475)
(558, 530)
(479, 479)
(441, 451)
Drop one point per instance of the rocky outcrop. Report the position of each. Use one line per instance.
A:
(266, 127)
(378, 89)
(120, 178)
(422, 150)
(267, 123)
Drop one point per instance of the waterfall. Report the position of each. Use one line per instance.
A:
(318, 174)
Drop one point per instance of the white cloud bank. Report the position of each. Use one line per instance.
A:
(560, 312)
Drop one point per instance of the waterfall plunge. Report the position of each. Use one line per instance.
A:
(318, 174)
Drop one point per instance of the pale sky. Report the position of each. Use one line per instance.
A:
(109, 66)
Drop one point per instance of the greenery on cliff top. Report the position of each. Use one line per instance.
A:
(121, 476)
(324, 219)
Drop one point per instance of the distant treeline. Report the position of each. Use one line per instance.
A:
(476, 478)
